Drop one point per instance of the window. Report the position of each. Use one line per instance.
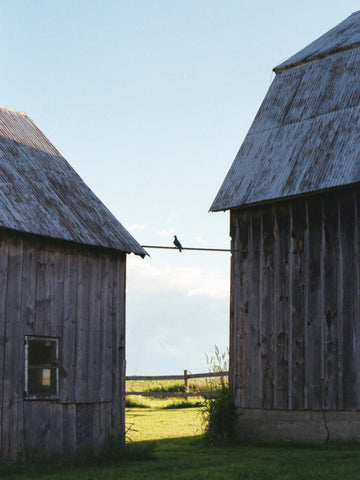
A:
(41, 368)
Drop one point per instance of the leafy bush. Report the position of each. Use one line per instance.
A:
(219, 415)
(219, 407)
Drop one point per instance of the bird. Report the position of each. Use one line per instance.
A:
(177, 243)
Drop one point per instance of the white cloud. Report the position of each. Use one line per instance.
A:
(166, 233)
(200, 240)
(191, 281)
(135, 226)
(175, 314)
(196, 281)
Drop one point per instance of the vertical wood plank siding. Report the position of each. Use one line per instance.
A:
(295, 295)
(76, 294)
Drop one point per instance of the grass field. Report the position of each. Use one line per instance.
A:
(199, 384)
(177, 423)
(179, 452)
(186, 457)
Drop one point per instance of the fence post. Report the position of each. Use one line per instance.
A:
(186, 381)
(186, 377)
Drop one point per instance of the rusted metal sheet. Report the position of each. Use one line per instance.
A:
(345, 35)
(305, 137)
(40, 193)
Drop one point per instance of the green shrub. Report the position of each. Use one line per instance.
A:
(219, 416)
(219, 407)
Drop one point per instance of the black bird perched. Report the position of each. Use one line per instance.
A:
(177, 243)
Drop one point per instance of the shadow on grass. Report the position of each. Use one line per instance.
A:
(195, 459)
(117, 452)
(190, 458)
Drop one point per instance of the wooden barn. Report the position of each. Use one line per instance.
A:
(293, 193)
(62, 301)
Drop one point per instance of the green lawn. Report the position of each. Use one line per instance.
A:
(159, 424)
(188, 459)
(180, 453)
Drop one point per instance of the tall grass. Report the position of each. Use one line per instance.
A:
(195, 385)
(163, 386)
(219, 407)
(162, 403)
(217, 403)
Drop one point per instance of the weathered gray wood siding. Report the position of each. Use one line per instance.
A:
(295, 312)
(76, 294)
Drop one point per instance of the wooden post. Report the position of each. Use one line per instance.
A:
(186, 381)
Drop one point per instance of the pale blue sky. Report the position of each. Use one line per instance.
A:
(149, 101)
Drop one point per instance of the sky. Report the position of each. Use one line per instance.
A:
(149, 101)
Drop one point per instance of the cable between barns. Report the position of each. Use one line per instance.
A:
(196, 249)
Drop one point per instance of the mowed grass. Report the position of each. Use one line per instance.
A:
(188, 458)
(159, 424)
(181, 453)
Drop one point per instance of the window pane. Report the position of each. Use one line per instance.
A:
(42, 352)
(41, 367)
(46, 377)
(42, 381)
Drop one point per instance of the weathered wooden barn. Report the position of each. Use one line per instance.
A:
(62, 301)
(293, 193)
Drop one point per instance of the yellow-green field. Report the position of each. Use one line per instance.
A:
(199, 384)
(167, 444)
(156, 424)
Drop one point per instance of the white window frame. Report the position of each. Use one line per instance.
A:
(41, 396)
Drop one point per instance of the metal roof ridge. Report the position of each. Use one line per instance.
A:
(13, 110)
(328, 54)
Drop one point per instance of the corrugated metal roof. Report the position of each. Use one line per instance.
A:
(344, 36)
(305, 136)
(41, 194)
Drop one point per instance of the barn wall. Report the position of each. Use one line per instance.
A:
(77, 295)
(295, 330)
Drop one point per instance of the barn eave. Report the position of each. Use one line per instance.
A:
(303, 138)
(41, 194)
(344, 36)
(271, 201)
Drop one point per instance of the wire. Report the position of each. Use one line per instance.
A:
(196, 249)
